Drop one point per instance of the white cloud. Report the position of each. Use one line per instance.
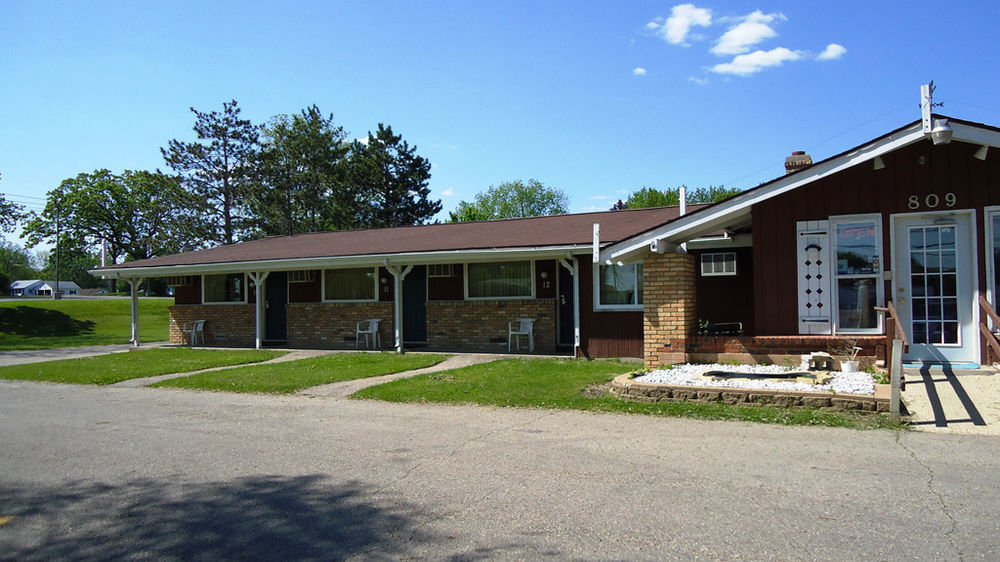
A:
(683, 17)
(833, 51)
(599, 197)
(751, 63)
(638, 71)
(698, 81)
(448, 192)
(363, 140)
(752, 29)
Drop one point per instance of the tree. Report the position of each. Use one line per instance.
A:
(301, 169)
(512, 199)
(15, 263)
(218, 172)
(10, 214)
(390, 181)
(136, 214)
(75, 261)
(652, 197)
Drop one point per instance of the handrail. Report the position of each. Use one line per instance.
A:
(897, 325)
(991, 338)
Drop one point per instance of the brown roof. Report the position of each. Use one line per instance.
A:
(555, 230)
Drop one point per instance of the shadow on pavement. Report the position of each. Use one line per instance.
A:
(41, 322)
(249, 518)
(933, 396)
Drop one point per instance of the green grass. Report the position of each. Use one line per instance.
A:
(295, 375)
(46, 324)
(116, 367)
(562, 383)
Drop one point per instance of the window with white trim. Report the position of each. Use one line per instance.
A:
(618, 287)
(718, 263)
(180, 281)
(301, 276)
(857, 267)
(441, 270)
(499, 280)
(224, 288)
(353, 284)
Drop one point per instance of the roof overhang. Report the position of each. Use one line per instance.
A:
(735, 212)
(370, 260)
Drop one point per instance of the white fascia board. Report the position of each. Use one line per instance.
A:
(717, 242)
(415, 258)
(974, 135)
(701, 223)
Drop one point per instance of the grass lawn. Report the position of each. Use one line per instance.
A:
(45, 324)
(109, 369)
(295, 375)
(562, 383)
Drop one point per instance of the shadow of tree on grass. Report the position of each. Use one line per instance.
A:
(258, 518)
(41, 322)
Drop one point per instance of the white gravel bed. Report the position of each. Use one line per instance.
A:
(688, 375)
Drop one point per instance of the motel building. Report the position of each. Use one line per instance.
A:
(801, 263)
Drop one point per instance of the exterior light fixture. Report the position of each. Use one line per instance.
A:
(879, 164)
(981, 153)
(941, 133)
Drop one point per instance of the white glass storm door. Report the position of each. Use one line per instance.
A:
(933, 287)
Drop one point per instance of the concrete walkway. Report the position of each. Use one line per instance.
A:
(292, 355)
(346, 388)
(944, 401)
(21, 357)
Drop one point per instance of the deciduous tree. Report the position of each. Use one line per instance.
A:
(10, 214)
(512, 199)
(652, 197)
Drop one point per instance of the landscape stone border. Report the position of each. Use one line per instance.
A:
(626, 388)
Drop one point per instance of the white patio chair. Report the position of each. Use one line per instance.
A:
(367, 328)
(194, 329)
(518, 328)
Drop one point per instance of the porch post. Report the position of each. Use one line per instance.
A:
(258, 278)
(574, 269)
(398, 274)
(134, 283)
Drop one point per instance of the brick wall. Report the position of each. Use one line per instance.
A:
(482, 325)
(775, 349)
(227, 325)
(670, 311)
(333, 325)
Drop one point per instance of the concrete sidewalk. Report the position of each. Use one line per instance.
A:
(960, 402)
(21, 357)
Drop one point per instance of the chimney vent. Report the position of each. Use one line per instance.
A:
(799, 160)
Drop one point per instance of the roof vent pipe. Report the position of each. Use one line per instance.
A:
(683, 197)
(799, 160)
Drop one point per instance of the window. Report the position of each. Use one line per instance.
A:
(502, 280)
(441, 270)
(722, 263)
(180, 281)
(357, 284)
(224, 288)
(301, 276)
(618, 286)
(857, 273)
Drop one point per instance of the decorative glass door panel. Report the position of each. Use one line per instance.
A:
(933, 290)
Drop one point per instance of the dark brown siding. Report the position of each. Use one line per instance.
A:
(727, 298)
(386, 289)
(189, 294)
(606, 334)
(447, 288)
(545, 288)
(945, 169)
(308, 291)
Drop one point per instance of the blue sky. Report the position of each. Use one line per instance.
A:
(595, 98)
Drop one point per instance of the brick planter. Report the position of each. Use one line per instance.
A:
(627, 389)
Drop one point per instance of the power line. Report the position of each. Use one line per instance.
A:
(972, 105)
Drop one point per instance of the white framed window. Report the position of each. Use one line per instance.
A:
(441, 270)
(224, 288)
(180, 281)
(618, 287)
(857, 273)
(500, 280)
(302, 276)
(358, 284)
(718, 263)
(993, 255)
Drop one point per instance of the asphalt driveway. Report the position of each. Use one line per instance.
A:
(97, 473)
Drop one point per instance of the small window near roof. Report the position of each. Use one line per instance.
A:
(441, 270)
(301, 276)
(720, 263)
(180, 281)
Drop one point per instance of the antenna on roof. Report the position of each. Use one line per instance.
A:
(927, 105)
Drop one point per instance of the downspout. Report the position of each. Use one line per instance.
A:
(574, 269)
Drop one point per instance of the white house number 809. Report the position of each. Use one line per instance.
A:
(931, 201)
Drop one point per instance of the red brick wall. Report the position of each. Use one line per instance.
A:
(227, 325)
(333, 325)
(670, 312)
(482, 325)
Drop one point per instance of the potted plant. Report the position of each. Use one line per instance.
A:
(849, 349)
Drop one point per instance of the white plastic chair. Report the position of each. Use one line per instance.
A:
(367, 328)
(518, 328)
(195, 329)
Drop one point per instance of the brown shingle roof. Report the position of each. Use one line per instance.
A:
(555, 230)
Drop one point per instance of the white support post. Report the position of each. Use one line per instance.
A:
(258, 278)
(573, 266)
(398, 274)
(895, 379)
(134, 283)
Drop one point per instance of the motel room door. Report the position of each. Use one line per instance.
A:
(415, 306)
(275, 306)
(934, 285)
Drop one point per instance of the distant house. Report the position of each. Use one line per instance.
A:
(40, 287)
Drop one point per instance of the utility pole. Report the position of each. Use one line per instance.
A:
(55, 294)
